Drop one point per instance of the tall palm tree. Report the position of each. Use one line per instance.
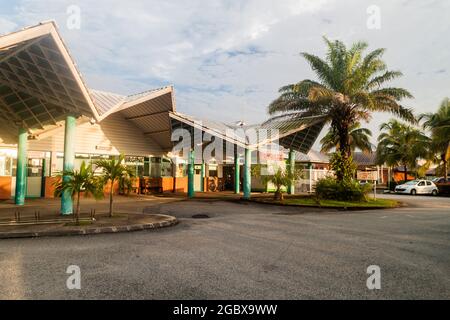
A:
(112, 171)
(358, 138)
(79, 181)
(439, 125)
(350, 86)
(401, 145)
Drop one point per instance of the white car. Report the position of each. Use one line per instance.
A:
(417, 187)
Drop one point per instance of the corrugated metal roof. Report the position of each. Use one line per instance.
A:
(296, 132)
(312, 156)
(139, 95)
(365, 159)
(105, 101)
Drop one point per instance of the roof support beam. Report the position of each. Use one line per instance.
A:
(32, 92)
(24, 47)
(156, 132)
(147, 115)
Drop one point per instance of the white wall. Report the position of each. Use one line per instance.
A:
(113, 135)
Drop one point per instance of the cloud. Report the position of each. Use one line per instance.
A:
(227, 59)
(6, 25)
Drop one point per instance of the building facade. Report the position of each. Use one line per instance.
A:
(50, 121)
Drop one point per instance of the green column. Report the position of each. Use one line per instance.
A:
(191, 192)
(237, 174)
(69, 159)
(291, 168)
(21, 175)
(202, 178)
(247, 174)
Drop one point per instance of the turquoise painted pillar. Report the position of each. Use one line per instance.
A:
(69, 159)
(191, 192)
(247, 174)
(21, 175)
(202, 177)
(291, 168)
(237, 173)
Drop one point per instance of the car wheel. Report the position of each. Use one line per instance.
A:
(413, 192)
(434, 192)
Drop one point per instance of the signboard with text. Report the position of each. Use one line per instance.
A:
(367, 175)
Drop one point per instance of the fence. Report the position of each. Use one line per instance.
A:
(310, 178)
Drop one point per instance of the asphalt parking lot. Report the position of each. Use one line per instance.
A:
(245, 251)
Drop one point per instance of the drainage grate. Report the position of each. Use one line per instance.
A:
(200, 216)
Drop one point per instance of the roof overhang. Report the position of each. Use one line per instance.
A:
(209, 128)
(150, 112)
(297, 132)
(39, 82)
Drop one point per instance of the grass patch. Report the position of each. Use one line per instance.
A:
(371, 203)
(80, 224)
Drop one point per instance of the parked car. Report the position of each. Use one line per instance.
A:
(414, 187)
(440, 180)
(443, 185)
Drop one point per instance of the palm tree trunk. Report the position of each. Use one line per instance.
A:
(111, 199)
(77, 210)
(344, 145)
(406, 173)
(278, 194)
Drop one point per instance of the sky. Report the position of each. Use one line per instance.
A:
(228, 58)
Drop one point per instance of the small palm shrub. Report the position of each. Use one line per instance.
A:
(282, 177)
(77, 182)
(347, 190)
(114, 170)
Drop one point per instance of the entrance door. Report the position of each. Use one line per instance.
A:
(34, 180)
(197, 177)
(228, 176)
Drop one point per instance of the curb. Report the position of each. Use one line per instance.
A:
(170, 221)
(326, 207)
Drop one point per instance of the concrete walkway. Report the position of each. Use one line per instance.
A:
(41, 217)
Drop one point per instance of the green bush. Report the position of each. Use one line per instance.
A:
(346, 190)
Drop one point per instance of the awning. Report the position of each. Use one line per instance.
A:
(149, 111)
(40, 85)
(296, 132)
(39, 82)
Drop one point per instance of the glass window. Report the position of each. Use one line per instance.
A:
(181, 170)
(146, 168)
(136, 164)
(155, 167)
(79, 158)
(2, 165)
(8, 160)
(166, 168)
(34, 167)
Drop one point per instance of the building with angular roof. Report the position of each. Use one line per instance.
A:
(51, 120)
